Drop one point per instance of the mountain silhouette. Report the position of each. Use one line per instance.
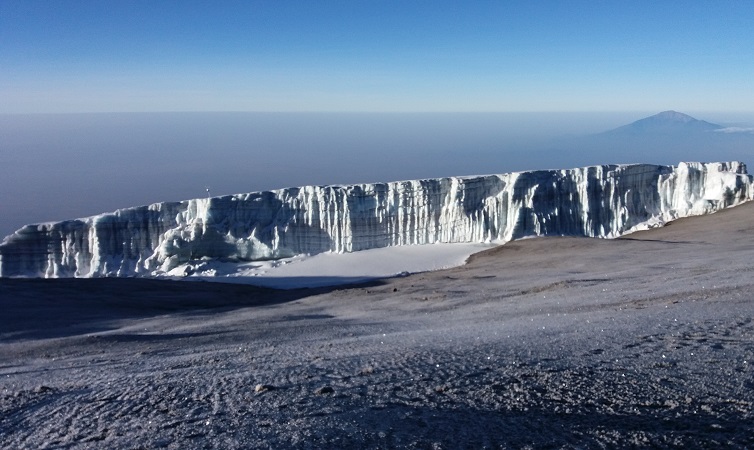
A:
(664, 138)
(666, 122)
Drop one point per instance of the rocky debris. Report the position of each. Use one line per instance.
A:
(324, 390)
(260, 388)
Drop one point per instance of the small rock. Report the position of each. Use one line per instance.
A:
(43, 388)
(324, 390)
(263, 388)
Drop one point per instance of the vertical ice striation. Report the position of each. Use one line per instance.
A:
(598, 201)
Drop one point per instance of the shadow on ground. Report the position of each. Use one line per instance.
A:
(52, 308)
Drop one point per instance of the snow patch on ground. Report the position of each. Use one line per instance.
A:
(329, 269)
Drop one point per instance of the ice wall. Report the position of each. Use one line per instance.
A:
(599, 201)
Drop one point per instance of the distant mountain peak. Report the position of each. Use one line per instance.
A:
(673, 116)
(666, 122)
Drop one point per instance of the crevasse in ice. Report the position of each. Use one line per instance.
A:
(598, 201)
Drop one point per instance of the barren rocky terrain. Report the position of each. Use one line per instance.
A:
(646, 340)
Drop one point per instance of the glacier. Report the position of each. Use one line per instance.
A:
(598, 201)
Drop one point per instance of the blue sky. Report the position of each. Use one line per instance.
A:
(97, 56)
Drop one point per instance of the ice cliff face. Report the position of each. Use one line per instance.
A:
(600, 201)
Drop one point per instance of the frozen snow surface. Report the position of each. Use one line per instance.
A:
(329, 269)
(258, 235)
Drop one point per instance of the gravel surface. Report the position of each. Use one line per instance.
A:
(642, 341)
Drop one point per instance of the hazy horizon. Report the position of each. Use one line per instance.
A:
(63, 166)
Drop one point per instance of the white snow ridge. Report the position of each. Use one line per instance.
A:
(599, 201)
